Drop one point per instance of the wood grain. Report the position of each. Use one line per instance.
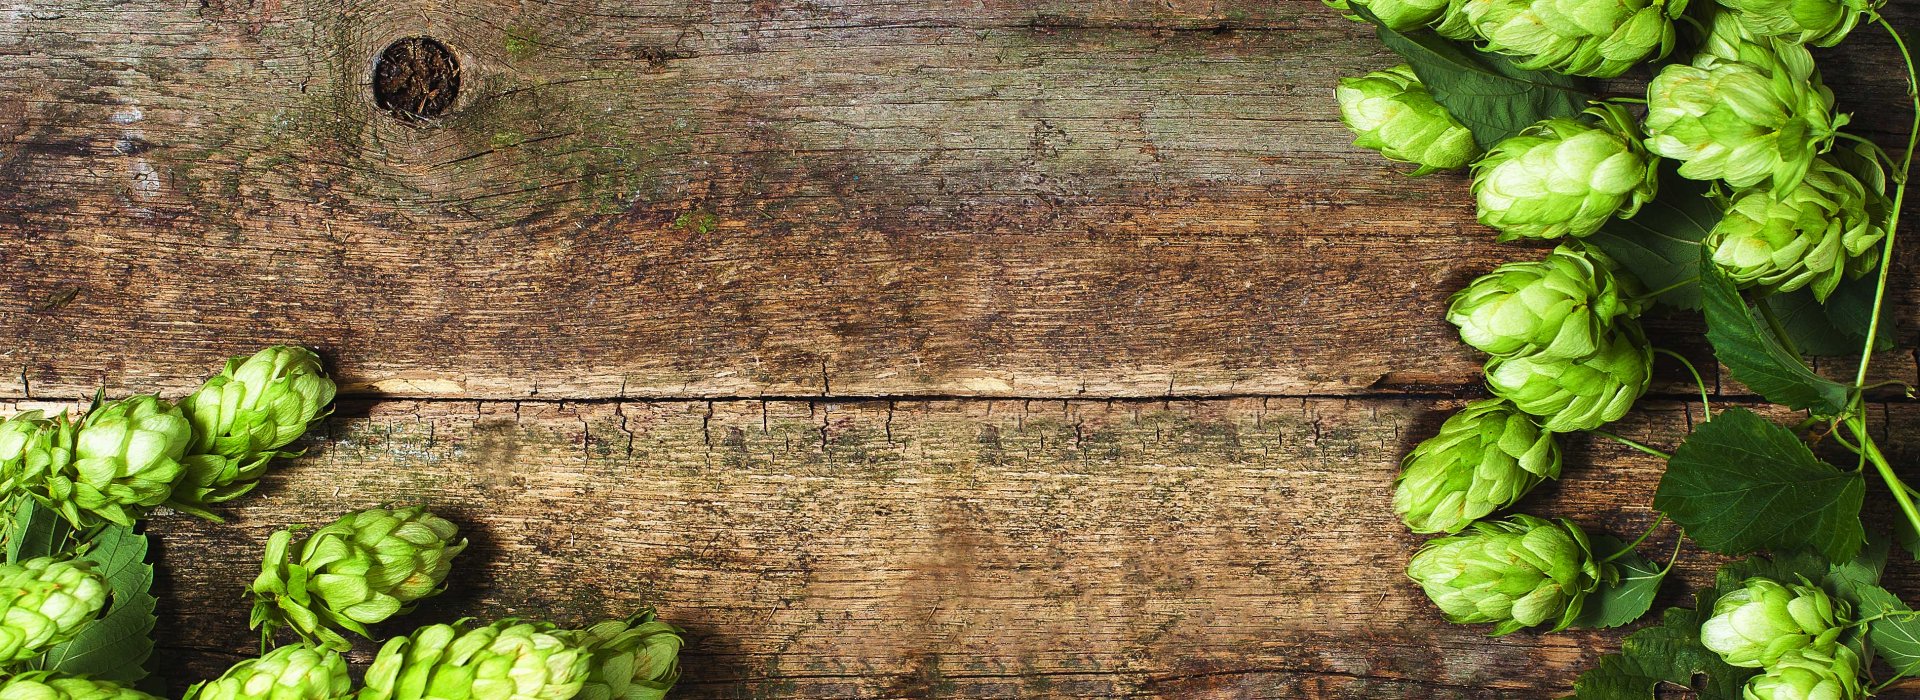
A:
(1192, 549)
(732, 199)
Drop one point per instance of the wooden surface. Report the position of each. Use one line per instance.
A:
(991, 348)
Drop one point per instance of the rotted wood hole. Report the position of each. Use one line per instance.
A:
(415, 79)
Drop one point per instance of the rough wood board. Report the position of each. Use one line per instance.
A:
(1206, 549)
(666, 199)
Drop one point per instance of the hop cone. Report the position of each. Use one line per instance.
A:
(42, 685)
(1519, 573)
(243, 416)
(32, 448)
(1453, 22)
(1486, 457)
(1565, 177)
(1581, 394)
(1812, 236)
(46, 601)
(1816, 22)
(1749, 110)
(1809, 674)
(633, 659)
(294, 672)
(1599, 38)
(126, 460)
(363, 568)
(1754, 626)
(1562, 307)
(507, 660)
(1404, 15)
(1391, 112)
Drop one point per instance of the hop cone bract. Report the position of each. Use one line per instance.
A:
(1764, 619)
(1391, 112)
(32, 448)
(1565, 177)
(1485, 458)
(1599, 38)
(243, 416)
(126, 460)
(1749, 110)
(633, 659)
(507, 660)
(1580, 394)
(1404, 15)
(1816, 22)
(46, 601)
(1809, 674)
(1517, 573)
(1564, 306)
(43, 685)
(361, 569)
(293, 672)
(1814, 235)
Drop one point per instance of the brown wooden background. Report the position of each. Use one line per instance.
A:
(961, 348)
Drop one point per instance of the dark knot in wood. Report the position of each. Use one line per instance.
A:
(416, 78)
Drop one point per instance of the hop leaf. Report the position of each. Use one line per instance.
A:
(1519, 573)
(1391, 112)
(243, 416)
(294, 672)
(507, 660)
(1485, 458)
(46, 601)
(359, 570)
(1565, 177)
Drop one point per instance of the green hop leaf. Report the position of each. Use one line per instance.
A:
(1809, 674)
(1756, 624)
(1751, 352)
(1816, 22)
(1566, 176)
(1578, 394)
(243, 416)
(1517, 573)
(1820, 232)
(1628, 594)
(293, 672)
(1391, 112)
(359, 570)
(1740, 484)
(43, 685)
(126, 460)
(507, 660)
(1748, 110)
(1597, 38)
(1485, 458)
(1562, 307)
(46, 601)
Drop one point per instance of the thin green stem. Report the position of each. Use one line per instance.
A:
(1635, 544)
(1779, 329)
(1899, 200)
(1630, 443)
(1655, 294)
(1705, 403)
(1674, 558)
(1872, 453)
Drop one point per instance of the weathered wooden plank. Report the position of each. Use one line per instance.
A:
(1220, 548)
(666, 199)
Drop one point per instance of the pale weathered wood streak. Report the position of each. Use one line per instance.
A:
(1218, 548)
(665, 199)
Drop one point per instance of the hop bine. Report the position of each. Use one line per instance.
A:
(1755, 626)
(1390, 111)
(1515, 574)
(359, 570)
(507, 660)
(1562, 307)
(1814, 235)
(1565, 177)
(42, 685)
(1598, 38)
(46, 601)
(1485, 458)
(242, 417)
(1809, 674)
(1579, 394)
(294, 672)
(1749, 110)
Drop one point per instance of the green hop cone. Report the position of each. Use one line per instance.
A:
(1751, 111)
(507, 660)
(633, 659)
(1816, 22)
(1599, 38)
(1808, 674)
(1565, 177)
(1754, 626)
(32, 448)
(1404, 15)
(1562, 307)
(1391, 112)
(44, 685)
(1485, 458)
(1518, 573)
(1453, 22)
(126, 459)
(242, 417)
(293, 672)
(359, 570)
(1822, 231)
(1579, 394)
(46, 601)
